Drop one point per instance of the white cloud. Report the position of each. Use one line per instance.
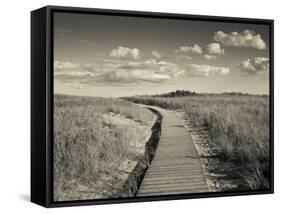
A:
(213, 49)
(188, 51)
(210, 51)
(59, 65)
(71, 70)
(125, 53)
(183, 57)
(148, 70)
(209, 57)
(245, 38)
(255, 65)
(127, 72)
(135, 75)
(111, 71)
(156, 55)
(206, 70)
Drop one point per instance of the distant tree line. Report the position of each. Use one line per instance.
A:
(177, 93)
(187, 93)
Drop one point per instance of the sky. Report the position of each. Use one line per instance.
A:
(115, 56)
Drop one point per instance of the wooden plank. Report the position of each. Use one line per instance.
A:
(176, 166)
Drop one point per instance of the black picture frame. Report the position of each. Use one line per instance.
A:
(42, 103)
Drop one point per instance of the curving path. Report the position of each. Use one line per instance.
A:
(176, 166)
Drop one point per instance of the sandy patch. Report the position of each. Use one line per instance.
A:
(142, 131)
(136, 154)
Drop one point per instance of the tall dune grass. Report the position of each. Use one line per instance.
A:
(238, 129)
(88, 149)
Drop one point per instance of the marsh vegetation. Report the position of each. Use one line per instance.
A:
(238, 131)
(97, 141)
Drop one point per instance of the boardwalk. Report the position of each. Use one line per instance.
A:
(175, 168)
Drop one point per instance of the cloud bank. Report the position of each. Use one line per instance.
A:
(206, 70)
(118, 71)
(125, 53)
(214, 49)
(125, 72)
(210, 51)
(156, 55)
(245, 38)
(188, 51)
(255, 66)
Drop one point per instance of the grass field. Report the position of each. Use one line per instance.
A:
(238, 128)
(93, 137)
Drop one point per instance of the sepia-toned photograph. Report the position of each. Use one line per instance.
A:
(147, 106)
